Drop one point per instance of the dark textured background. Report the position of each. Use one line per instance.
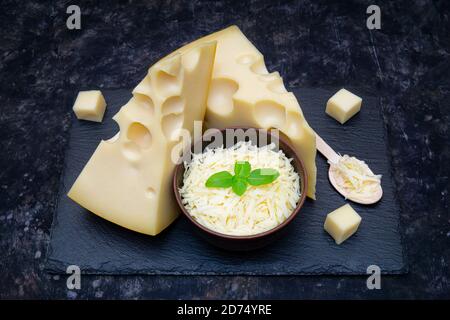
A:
(311, 43)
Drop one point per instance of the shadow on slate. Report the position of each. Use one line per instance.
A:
(100, 247)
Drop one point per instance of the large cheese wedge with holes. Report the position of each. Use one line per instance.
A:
(128, 178)
(244, 93)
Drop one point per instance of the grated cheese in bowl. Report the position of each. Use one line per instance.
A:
(259, 209)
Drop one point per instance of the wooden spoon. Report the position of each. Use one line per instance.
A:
(333, 157)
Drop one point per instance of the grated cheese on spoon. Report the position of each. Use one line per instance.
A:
(259, 209)
(355, 176)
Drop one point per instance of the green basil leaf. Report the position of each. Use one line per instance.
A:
(222, 179)
(262, 176)
(242, 169)
(239, 186)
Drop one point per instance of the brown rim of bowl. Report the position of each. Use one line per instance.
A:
(294, 213)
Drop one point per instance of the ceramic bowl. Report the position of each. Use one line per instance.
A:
(248, 242)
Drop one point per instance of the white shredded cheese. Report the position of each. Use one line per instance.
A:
(259, 209)
(355, 176)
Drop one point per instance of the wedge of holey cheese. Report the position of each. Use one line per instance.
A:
(244, 93)
(128, 178)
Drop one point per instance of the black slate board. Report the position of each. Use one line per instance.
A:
(100, 247)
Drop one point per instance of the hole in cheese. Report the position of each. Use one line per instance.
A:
(140, 135)
(166, 84)
(220, 99)
(131, 151)
(259, 67)
(150, 192)
(144, 87)
(172, 105)
(293, 125)
(270, 114)
(246, 59)
(171, 125)
(146, 102)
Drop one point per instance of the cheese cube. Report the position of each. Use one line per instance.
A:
(343, 105)
(342, 223)
(90, 105)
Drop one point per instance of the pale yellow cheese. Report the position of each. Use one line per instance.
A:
(355, 177)
(342, 223)
(259, 209)
(244, 93)
(343, 105)
(128, 178)
(90, 105)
